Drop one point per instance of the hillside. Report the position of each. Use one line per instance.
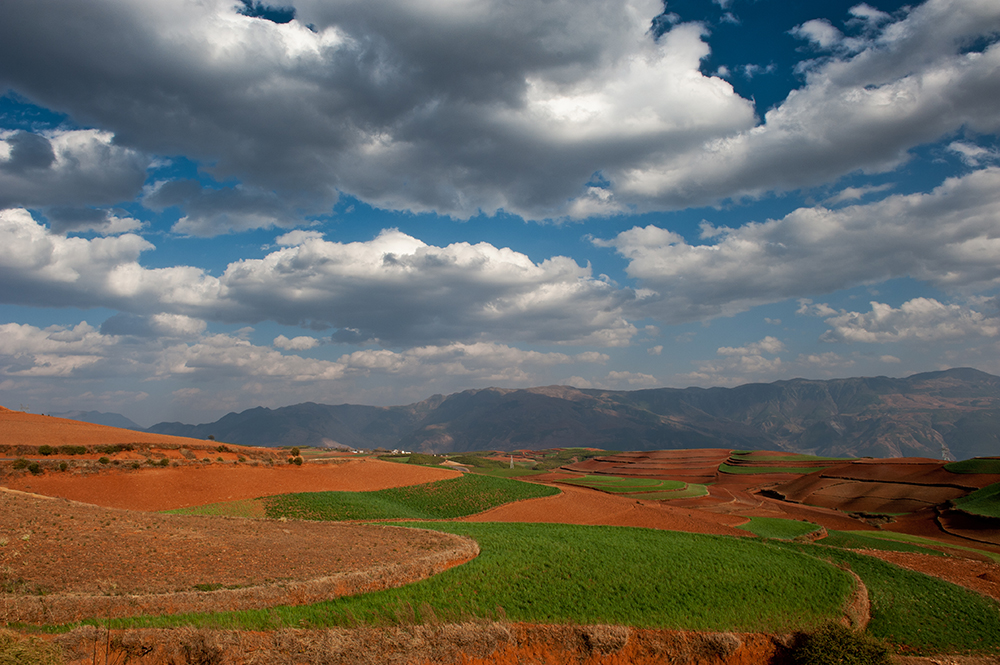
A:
(948, 414)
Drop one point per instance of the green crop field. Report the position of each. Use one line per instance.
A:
(891, 541)
(456, 497)
(617, 485)
(586, 574)
(691, 491)
(985, 501)
(871, 540)
(975, 465)
(773, 527)
(917, 612)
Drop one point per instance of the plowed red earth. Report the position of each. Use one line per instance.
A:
(580, 505)
(19, 428)
(185, 486)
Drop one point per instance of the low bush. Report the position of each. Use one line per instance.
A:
(834, 644)
(45, 450)
(35, 468)
(63, 466)
(104, 460)
(72, 450)
(20, 463)
(114, 448)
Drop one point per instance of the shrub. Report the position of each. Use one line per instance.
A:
(296, 452)
(20, 463)
(297, 461)
(164, 462)
(45, 450)
(834, 644)
(72, 450)
(63, 466)
(35, 468)
(104, 460)
(17, 650)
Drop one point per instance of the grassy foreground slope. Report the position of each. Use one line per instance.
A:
(917, 612)
(588, 574)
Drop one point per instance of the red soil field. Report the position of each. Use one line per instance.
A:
(194, 485)
(581, 505)
(19, 428)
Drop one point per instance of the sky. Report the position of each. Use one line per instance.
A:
(212, 205)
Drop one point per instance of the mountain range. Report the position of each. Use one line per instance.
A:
(951, 414)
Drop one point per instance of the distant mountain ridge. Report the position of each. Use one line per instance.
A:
(949, 414)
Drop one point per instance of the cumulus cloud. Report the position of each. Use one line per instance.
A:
(40, 268)
(947, 237)
(394, 288)
(864, 106)
(757, 361)
(301, 343)
(83, 352)
(485, 106)
(63, 167)
(919, 319)
(209, 212)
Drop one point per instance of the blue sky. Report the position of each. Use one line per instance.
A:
(214, 205)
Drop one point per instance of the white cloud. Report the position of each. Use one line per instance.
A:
(739, 365)
(301, 343)
(83, 352)
(920, 319)
(487, 106)
(972, 154)
(893, 360)
(769, 345)
(824, 361)
(863, 108)
(655, 350)
(394, 288)
(856, 193)
(67, 167)
(947, 238)
(820, 32)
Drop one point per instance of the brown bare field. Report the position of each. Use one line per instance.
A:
(91, 561)
(199, 484)
(581, 505)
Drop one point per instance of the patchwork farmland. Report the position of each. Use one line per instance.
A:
(700, 556)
